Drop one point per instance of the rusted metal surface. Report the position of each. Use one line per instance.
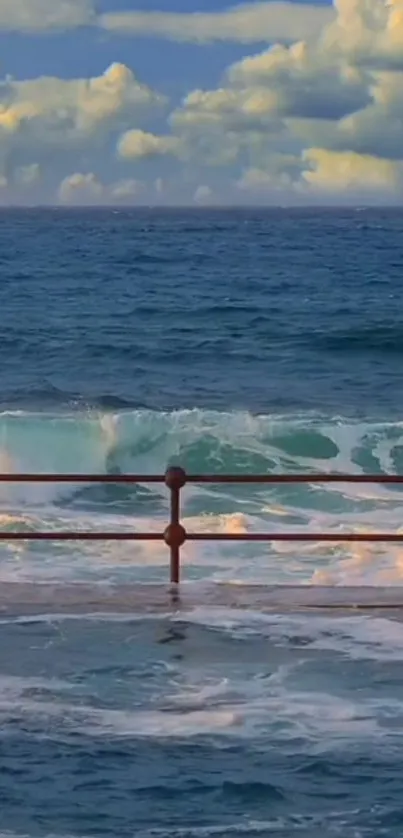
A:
(83, 478)
(245, 479)
(76, 535)
(296, 478)
(175, 535)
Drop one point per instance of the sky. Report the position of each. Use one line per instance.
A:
(201, 102)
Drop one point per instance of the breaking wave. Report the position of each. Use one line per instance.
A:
(211, 442)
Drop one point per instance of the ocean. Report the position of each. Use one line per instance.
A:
(225, 342)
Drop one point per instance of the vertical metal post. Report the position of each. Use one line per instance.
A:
(175, 533)
(175, 548)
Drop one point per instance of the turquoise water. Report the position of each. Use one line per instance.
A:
(224, 342)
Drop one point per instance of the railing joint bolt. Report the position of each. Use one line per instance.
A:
(175, 478)
(175, 535)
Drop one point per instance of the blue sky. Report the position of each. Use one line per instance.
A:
(201, 101)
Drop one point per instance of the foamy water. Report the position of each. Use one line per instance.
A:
(125, 711)
(241, 713)
(228, 711)
(146, 442)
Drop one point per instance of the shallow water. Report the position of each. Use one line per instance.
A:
(202, 726)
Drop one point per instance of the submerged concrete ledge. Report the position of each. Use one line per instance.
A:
(17, 599)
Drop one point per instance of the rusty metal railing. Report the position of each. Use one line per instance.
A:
(175, 534)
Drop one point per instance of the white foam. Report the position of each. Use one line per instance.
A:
(93, 722)
(13, 687)
(83, 616)
(207, 695)
(148, 440)
(360, 637)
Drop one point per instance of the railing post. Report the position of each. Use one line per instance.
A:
(175, 533)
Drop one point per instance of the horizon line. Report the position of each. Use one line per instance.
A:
(194, 208)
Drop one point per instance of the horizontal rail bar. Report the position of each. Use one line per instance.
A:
(204, 478)
(175, 535)
(81, 536)
(82, 478)
(295, 478)
(298, 536)
(245, 537)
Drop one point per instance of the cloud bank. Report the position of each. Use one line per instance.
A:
(247, 23)
(34, 16)
(314, 114)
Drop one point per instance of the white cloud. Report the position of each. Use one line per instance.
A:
(368, 32)
(281, 173)
(312, 117)
(68, 124)
(137, 145)
(377, 129)
(246, 23)
(51, 111)
(303, 82)
(26, 176)
(203, 195)
(319, 113)
(325, 174)
(296, 82)
(87, 189)
(43, 15)
(125, 190)
(212, 107)
(341, 172)
(80, 189)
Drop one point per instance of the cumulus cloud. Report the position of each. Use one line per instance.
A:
(368, 32)
(65, 123)
(296, 113)
(126, 190)
(245, 23)
(213, 107)
(34, 16)
(56, 112)
(281, 173)
(339, 172)
(86, 189)
(296, 82)
(80, 189)
(203, 195)
(303, 82)
(320, 112)
(378, 128)
(137, 145)
(27, 175)
(291, 88)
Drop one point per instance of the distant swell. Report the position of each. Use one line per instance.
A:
(383, 337)
(49, 397)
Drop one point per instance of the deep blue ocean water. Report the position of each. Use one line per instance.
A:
(135, 308)
(223, 341)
